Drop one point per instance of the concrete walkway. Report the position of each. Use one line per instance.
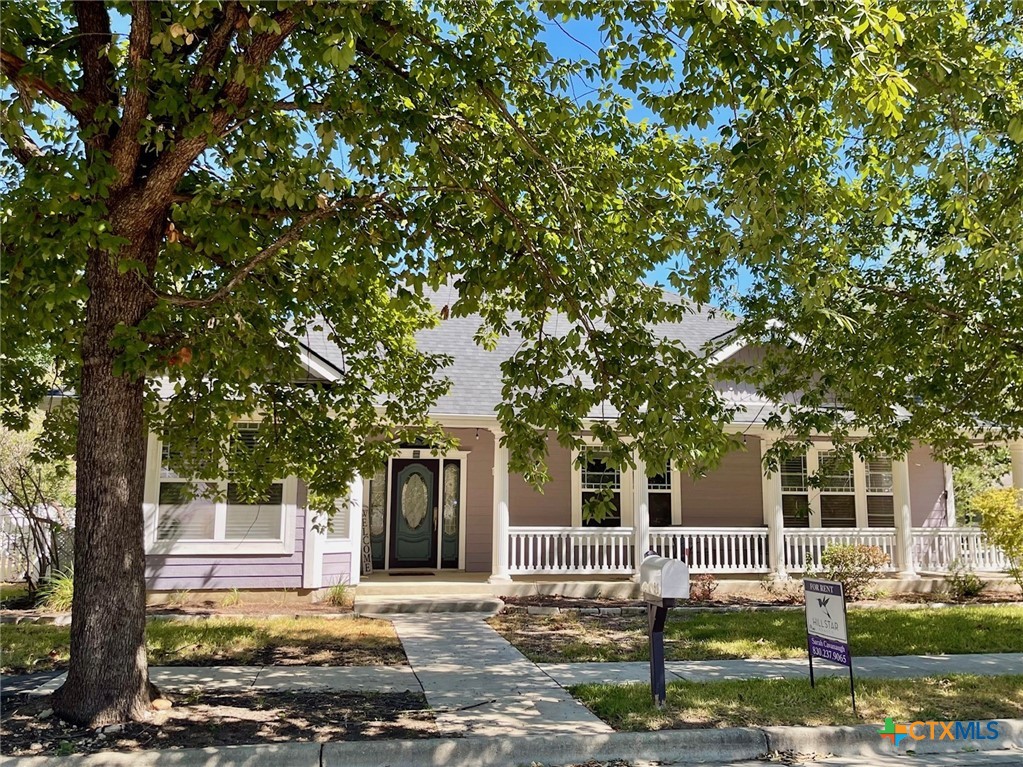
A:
(892, 667)
(480, 685)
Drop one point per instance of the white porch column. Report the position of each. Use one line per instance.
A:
(312, 551)
(774, 517)
(640, 514)
(903, 519)
(950, 495)
(355, 528)
(1016, 453)
(499, 554)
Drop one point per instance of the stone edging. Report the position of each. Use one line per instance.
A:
(641, 609)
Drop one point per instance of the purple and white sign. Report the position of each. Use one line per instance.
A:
(825, 621)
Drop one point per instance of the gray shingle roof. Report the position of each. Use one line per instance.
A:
(475, 373)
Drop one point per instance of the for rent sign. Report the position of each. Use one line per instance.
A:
(827, 634)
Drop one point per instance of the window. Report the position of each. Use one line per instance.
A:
(341, 521)
(659, 498)
(601, 480)
(452, 488)
(218, 511)
(795, 492)
(838, 490)
(377, 514)
(880, 493)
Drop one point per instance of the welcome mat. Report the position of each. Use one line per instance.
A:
(413, 572)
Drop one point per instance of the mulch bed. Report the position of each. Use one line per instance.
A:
(201, 719)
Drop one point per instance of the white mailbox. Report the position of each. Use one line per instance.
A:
(664, 578)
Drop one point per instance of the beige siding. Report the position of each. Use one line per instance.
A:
(926, 488)
(729, 496)
(479, 500)
(552, 506)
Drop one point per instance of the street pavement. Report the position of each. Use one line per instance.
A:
(1012, 758)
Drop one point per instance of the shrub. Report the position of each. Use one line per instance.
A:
(854, 565)
(702, 587)
(790, 591)
(1001, 518)
(179, 598)
(338, 595)
(57, 591)
(961, 583)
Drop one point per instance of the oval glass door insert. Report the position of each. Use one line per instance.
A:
(414, 501)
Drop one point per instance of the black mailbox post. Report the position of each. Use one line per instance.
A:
(657, 613)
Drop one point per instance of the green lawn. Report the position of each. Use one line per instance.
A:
(12, 594)
(222, 641)
(762, 634)
(765, 702)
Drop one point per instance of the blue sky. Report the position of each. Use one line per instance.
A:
(580, 39)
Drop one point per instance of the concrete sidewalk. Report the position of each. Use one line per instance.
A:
(480, 685)
(887, 667)
(458, 660)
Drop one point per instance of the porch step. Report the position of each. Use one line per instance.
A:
(380, 605)
(400, 588)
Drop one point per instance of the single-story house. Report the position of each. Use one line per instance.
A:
(465, 512)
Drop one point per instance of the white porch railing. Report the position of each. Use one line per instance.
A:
(936, 549)
(575, 550)
(714, 549)
(610, 550)
(803, 547)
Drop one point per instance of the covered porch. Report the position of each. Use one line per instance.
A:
(477, 518)
(920, 539)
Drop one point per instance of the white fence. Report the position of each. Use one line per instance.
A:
(575, 550)
(714, 549)
(18, 554)
(803, 548)
(938, 549)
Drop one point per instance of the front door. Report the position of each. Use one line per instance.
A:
(414, 512)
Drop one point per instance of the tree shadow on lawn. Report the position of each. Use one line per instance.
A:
(223, 642)
(200, 719)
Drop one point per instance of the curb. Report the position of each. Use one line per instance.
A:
(685, 746)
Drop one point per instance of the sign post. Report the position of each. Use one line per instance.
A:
(827, 636)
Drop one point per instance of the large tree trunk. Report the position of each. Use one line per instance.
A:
(107, 679)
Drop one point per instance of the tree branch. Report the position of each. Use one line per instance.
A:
(125, 150)
(22, 147)
(292, 235)
(215, 50)
(171, 167)
(26, 84)
(93, 40)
